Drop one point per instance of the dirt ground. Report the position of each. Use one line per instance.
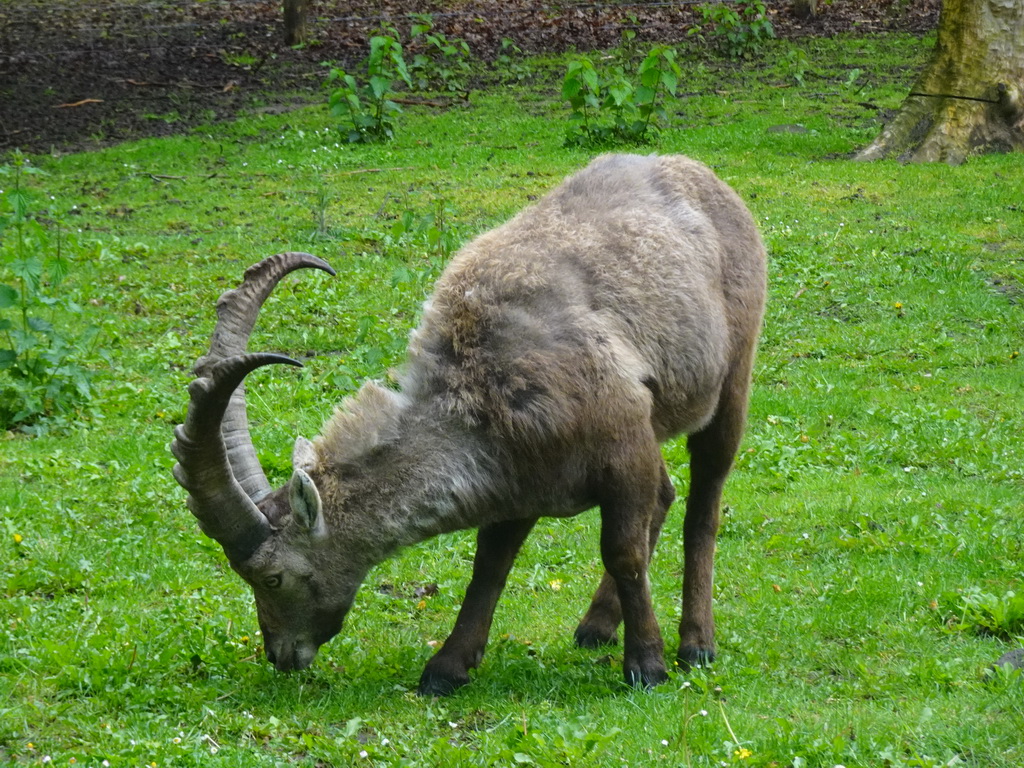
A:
(88, 73)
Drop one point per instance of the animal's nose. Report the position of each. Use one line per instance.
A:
(286, 659)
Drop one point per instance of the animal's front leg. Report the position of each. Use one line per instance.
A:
(496, 548)
(629, 510)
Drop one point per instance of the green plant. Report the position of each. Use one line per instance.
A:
(368, 107)
(989, 614)
(509, 62)
(444, 64)
(627, 50)
(796, 65)
(40, 374)
(432, 229)
(615, 109)
(737, 30)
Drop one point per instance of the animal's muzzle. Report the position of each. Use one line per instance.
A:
(287, 658)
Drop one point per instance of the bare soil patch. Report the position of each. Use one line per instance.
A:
(93, 72)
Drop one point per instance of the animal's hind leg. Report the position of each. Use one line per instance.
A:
(599, 626)
(496, 550)
(711, 455)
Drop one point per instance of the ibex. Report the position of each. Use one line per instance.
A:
(556, 353)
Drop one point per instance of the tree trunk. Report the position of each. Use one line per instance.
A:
(805, 9)
(970, 97)
(295, 30)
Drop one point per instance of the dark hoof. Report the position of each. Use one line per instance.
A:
(434, 684)
(692, 656)
(645, 678)
(588, 637)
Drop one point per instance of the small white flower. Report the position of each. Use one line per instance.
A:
(703, 713)
(664, 742)
(686, 684)
(364, 753)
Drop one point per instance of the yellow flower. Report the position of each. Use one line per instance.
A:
(742, 753)
(556, 584)
(17, 538)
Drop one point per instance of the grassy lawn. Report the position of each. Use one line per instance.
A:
(870, 565)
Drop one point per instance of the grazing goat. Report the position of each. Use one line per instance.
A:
(556, 353)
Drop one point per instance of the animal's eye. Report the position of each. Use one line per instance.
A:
(272, 582)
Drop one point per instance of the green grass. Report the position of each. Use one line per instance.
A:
(874, 513)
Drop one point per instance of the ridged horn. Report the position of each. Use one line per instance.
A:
(226, 513)
(237, 311)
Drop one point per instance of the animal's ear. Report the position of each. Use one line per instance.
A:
(303, 455)
(304, 499)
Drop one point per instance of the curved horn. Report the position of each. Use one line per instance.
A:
(226, 513)
(237, 311)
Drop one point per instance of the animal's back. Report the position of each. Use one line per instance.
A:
(629, 289)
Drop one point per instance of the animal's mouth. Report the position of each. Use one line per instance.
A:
(292, 659)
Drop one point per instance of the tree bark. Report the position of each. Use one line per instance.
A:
(970, 97)
(805, 9)
(295, 29)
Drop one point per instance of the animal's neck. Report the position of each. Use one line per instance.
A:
(433, 479)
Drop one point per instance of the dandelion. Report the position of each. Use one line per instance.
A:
(742, 753)
(555, 584)
(17, 538)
